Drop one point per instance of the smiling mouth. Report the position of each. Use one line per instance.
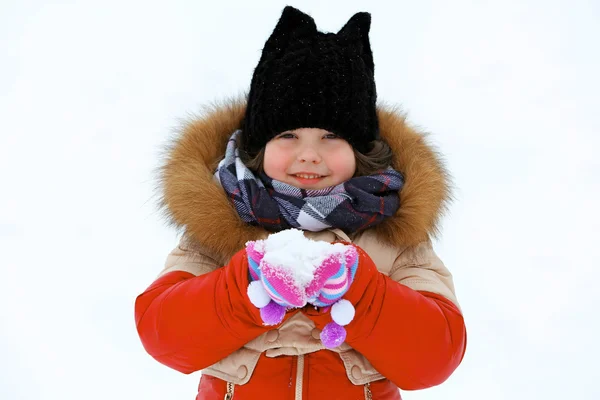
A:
(308, 176)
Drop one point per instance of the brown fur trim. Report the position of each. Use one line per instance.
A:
(193, 201)
(426, 191)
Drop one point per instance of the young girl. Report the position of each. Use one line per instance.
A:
(310, 150)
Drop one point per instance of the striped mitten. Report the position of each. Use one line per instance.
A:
(271, 289)
(332, 280)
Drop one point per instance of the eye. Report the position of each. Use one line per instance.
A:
(286, 135)
(331, 136)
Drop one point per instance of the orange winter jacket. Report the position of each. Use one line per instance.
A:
(408, 332)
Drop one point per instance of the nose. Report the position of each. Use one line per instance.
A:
(308, 154)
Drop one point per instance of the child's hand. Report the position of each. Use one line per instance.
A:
(271, 289)
(332, 280)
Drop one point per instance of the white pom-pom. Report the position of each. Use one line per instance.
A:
(342, 312)
(258, 295)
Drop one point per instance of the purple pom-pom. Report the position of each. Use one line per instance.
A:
(272, 313)
(333, 335)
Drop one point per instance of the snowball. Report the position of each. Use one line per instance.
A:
(258, 295)
(342, 312)
(259, 246)
(298, 256)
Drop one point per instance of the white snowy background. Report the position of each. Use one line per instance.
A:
(91, 90)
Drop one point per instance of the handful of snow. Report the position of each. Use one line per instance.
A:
(289, 271)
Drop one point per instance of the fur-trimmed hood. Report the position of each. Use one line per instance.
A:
(194, 202)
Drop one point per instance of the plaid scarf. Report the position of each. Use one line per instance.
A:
(352, 206)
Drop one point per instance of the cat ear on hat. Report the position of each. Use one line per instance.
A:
(357, 28)
(293, 24)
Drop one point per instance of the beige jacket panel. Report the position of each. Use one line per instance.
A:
(189, 258)
(421, 269)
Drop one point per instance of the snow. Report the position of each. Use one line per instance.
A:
(507, 89)
(296, 255)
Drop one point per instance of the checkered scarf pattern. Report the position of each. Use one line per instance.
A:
(352, 206)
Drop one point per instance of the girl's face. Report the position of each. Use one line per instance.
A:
(309, 158)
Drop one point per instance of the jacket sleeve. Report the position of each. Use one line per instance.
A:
(195, 314)
(414, 338)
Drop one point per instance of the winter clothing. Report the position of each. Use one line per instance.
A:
(408, 331)
(309, 79)
(354, 205)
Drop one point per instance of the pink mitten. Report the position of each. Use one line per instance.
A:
(332, 280)
(273, 289)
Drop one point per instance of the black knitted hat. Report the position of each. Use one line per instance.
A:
(310, 79)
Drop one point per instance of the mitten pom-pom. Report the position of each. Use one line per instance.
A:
(272, 313)
(258, 295)
(342, 312)
(333, 335)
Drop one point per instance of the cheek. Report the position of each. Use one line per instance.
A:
(344, 165)
(275, 162)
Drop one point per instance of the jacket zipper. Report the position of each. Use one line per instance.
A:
(230, 388)
(299, 383)
(299, 377)
(368, 394)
